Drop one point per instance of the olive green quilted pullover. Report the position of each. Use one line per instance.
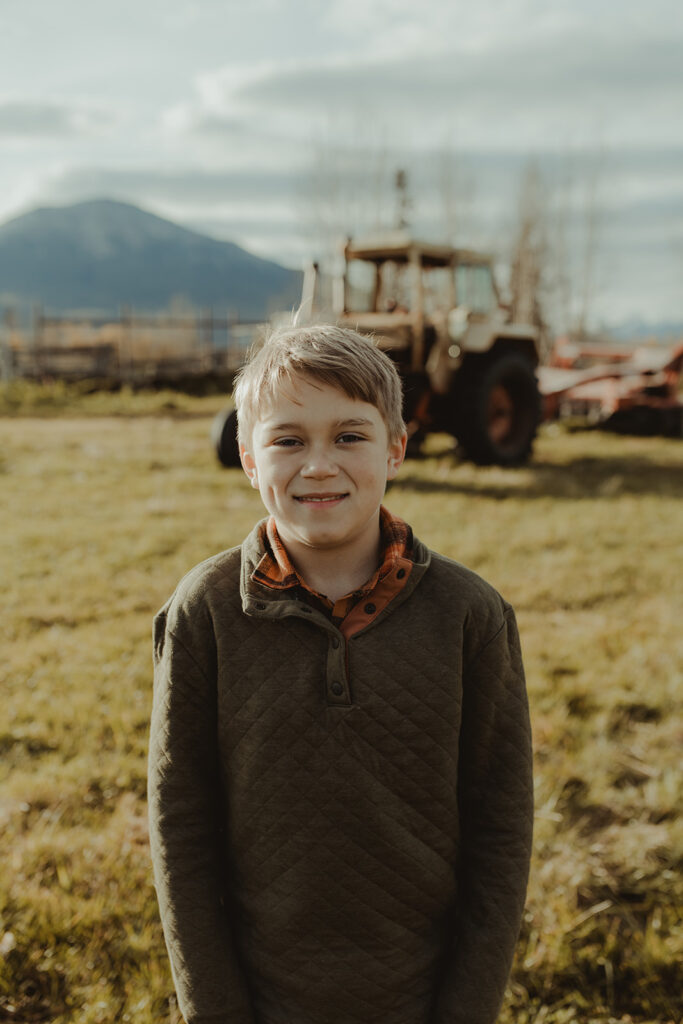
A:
(340, 830)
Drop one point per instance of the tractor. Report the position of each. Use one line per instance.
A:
(467, 370)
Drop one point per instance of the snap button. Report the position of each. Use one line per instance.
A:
(369, 608)
(335, 642)
(400, 574)
(337, 689)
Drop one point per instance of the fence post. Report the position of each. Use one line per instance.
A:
(125, 322)
(6, 360)
(37, 325)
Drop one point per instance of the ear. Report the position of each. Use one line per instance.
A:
(396, 455)
(249, 466)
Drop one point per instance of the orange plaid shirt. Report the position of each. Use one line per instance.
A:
(353, 611)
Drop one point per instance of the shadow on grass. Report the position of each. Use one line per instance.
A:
(574, 480)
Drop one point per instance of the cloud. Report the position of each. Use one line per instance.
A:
(484, 187)
(536, 73)
(208, 125)
(216, 104)
(189, 185)
(518, 93)
(396, 28)
(27, 119)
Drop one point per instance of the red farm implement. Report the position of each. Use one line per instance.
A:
(635, 390)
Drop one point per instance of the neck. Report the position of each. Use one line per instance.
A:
(335, 580)
(335, 572)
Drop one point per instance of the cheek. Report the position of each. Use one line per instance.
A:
(274, 478)
(373, 477)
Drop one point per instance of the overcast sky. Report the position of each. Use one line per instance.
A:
(229, 116)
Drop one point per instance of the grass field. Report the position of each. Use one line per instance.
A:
(108, 501)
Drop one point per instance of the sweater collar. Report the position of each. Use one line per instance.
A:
(260, 600)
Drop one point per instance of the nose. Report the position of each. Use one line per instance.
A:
(319, 465)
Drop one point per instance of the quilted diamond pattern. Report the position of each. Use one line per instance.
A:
(322, 863)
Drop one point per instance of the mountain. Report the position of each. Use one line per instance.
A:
(638, 331)
(99, 255)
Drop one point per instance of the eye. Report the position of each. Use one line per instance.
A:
(286, 442)
(350, 438)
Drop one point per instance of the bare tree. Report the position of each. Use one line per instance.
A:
(559, 192)
(555, 261)
(456, 194)
(574, 227)
(590, 241)
(357, 184)
(348, 189)
(530, 253)
(403, 199)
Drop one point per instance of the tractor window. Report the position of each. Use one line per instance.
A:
(360, 286)
(474, 287)
(394, 288)
(438, 289)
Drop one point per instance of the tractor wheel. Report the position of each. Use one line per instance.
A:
(497, 408)
(224, 437)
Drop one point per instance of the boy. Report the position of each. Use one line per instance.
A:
(340, 768)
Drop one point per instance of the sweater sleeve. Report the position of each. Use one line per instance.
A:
(184, 816)
(496, 820)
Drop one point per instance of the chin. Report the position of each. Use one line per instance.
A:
(323, 540)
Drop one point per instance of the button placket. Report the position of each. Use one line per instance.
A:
(336, 684)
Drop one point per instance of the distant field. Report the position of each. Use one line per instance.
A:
(100, 516)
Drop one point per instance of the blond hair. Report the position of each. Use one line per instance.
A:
(336, 356)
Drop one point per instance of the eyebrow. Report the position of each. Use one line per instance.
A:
(359, 421)
(355, 422)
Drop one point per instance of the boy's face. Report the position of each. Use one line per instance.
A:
(321, 461)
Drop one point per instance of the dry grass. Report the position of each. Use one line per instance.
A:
(101, 515)
(58, 398)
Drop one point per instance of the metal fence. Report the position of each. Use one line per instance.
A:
(131, 347)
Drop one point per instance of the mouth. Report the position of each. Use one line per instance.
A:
(320, 499)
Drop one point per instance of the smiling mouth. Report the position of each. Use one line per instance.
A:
(320, 499)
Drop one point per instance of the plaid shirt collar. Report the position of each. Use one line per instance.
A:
(275, 570)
